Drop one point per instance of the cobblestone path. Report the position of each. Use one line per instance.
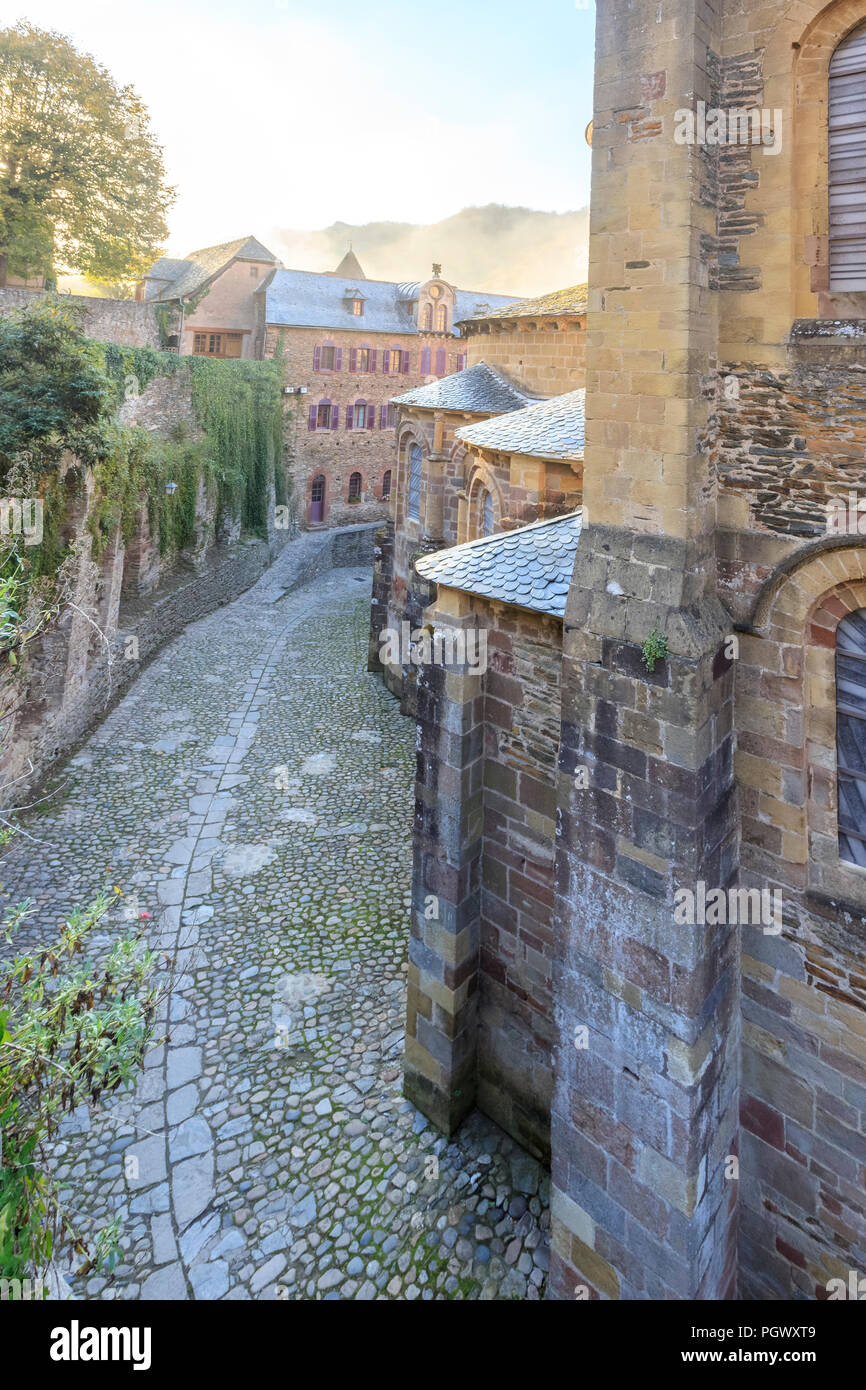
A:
(253, 792)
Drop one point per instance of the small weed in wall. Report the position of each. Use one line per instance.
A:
(654, 649)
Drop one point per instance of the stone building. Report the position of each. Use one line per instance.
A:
(457, 477)
(350, 344)
(216, 291)
(701, 940)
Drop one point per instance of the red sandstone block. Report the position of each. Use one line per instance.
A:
(763, 1120)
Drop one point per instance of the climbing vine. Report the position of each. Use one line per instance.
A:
(60, 395)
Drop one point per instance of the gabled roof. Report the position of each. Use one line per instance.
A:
(350, 267)
(198, 267)
(479, 388)
(311, 299)
(570, 301)
(529, 567)
(551, 429)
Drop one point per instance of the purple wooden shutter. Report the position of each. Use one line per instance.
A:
(350, 416)
(406, 361)
(440, 361)
(371, 415)
(335, 417)
(317, 359)
(374, 353)
(338, 359)
(353, 359)
(311, 418)
(425, 361)
(383, 416)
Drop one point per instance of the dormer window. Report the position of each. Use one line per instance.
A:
(354, 299)
(357, 307)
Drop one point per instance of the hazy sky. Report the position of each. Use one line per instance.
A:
(284, 113)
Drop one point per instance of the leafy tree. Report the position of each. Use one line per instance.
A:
(53, 386)
(82, 180)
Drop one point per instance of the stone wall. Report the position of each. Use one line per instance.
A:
(480, 1022)
(127, 322)
(544, 359)
(337, 453)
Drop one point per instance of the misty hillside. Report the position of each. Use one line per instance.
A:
(500, 249)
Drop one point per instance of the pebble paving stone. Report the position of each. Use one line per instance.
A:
(253, 792)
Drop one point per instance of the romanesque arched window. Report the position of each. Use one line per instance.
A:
(851, 736)
(442, 319)
(428, 317)
(386, 484)
(414, 482)
(847, 157)
(487, 520)
(354, 487)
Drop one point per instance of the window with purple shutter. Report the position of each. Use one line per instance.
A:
(338, 360)
(405, 361)
(353, 359)
(440, 361)
(335, 417)
(317, 359)
(350, 417)
(311, 419)
(425, 361)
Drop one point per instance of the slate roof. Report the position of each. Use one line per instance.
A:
(551, 429)
(568, 301)
(530, 567)
(350, 266)
(479, 388)
(199, 266)
(310, 299)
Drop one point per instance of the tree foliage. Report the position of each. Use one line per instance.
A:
(82, 179)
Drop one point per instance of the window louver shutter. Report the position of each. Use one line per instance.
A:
(350, 416)
(335, 417)
(405, 361)
(847, 151)
(311, 418)
(425, 361)
(440, 361)
(338, 360)
(353, 359)
(374, 353)
(317, 359)
(383, 417)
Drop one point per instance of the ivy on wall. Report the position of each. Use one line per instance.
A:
(60, 394)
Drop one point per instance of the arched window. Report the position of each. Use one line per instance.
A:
(428, 317)
(317, 498)
(487, 520)
(354, 487)
(442, 318)
(847, 172)
(415, 482)
(851, 736)
(386, 484)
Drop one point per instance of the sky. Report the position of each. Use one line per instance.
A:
(279, 113)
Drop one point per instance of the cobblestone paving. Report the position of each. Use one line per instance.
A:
(253, 792)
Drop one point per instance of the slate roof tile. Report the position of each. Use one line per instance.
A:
(552, 429)
(479, 387)
(529, 567)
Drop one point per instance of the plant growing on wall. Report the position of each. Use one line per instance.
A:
(654, 649)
